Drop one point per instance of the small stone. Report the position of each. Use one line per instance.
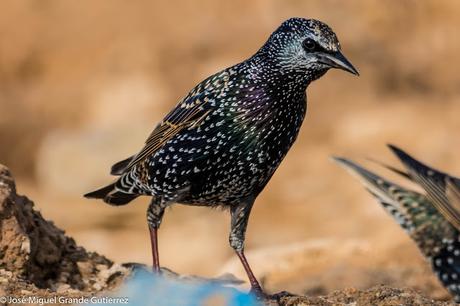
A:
(63, 288)
(71, 291)
(26, 292)
(64, 277)
(85, 267)
(25, 246)
(102, 267)
(97, 286)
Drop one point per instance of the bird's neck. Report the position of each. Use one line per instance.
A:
(267, 70)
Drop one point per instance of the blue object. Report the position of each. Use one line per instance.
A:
(145, 289)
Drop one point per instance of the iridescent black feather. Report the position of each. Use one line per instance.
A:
(434, 182)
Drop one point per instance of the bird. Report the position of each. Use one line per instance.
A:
(430, 217)
(220, 145)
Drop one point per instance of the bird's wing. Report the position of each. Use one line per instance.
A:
(119, 167)
(435, 184)
(453, 194)
(189, 113)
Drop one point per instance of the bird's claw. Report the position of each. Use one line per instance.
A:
(258, 293)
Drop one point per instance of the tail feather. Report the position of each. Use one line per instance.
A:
(100, 193)
(119, 198)
(111, 195)
(390, 195)
(391, 168)
(119, 168)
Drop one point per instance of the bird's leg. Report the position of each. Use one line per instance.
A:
(255, 286)
(239, 222)
(154, 216)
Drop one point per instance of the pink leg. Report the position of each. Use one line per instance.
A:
(255, 286)
(154, 242)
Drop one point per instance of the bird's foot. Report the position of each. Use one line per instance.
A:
(275, 299)
(156, 270)
(258, 293)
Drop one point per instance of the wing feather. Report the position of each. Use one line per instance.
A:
(189, 113)
(435, 184)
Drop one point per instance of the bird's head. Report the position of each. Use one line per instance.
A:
(305, 46)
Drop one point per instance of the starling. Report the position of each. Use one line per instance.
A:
(221, 144)
(430, 219)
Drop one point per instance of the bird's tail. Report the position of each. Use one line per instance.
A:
(119, 168)
(376, 184)
(111, 195)
(390, 195)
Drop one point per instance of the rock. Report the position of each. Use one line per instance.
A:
(62, 288)
(38, 252)
(26, 292)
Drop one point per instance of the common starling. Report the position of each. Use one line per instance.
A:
(430, 219)
(221, 144)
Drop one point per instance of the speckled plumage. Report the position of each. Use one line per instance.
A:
(248, 116)
(437, 238)
(222, 143)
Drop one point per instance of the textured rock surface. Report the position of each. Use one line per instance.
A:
(376, 296)
(34, 250)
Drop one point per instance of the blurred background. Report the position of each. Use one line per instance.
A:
(82, 84)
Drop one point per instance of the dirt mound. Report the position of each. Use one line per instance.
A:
(35, 254)
(376, 296)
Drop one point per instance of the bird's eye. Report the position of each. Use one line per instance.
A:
(309, 44)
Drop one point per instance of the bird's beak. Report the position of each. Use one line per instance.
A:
(337, 60)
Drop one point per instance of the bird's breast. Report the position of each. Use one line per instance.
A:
(266, 136)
